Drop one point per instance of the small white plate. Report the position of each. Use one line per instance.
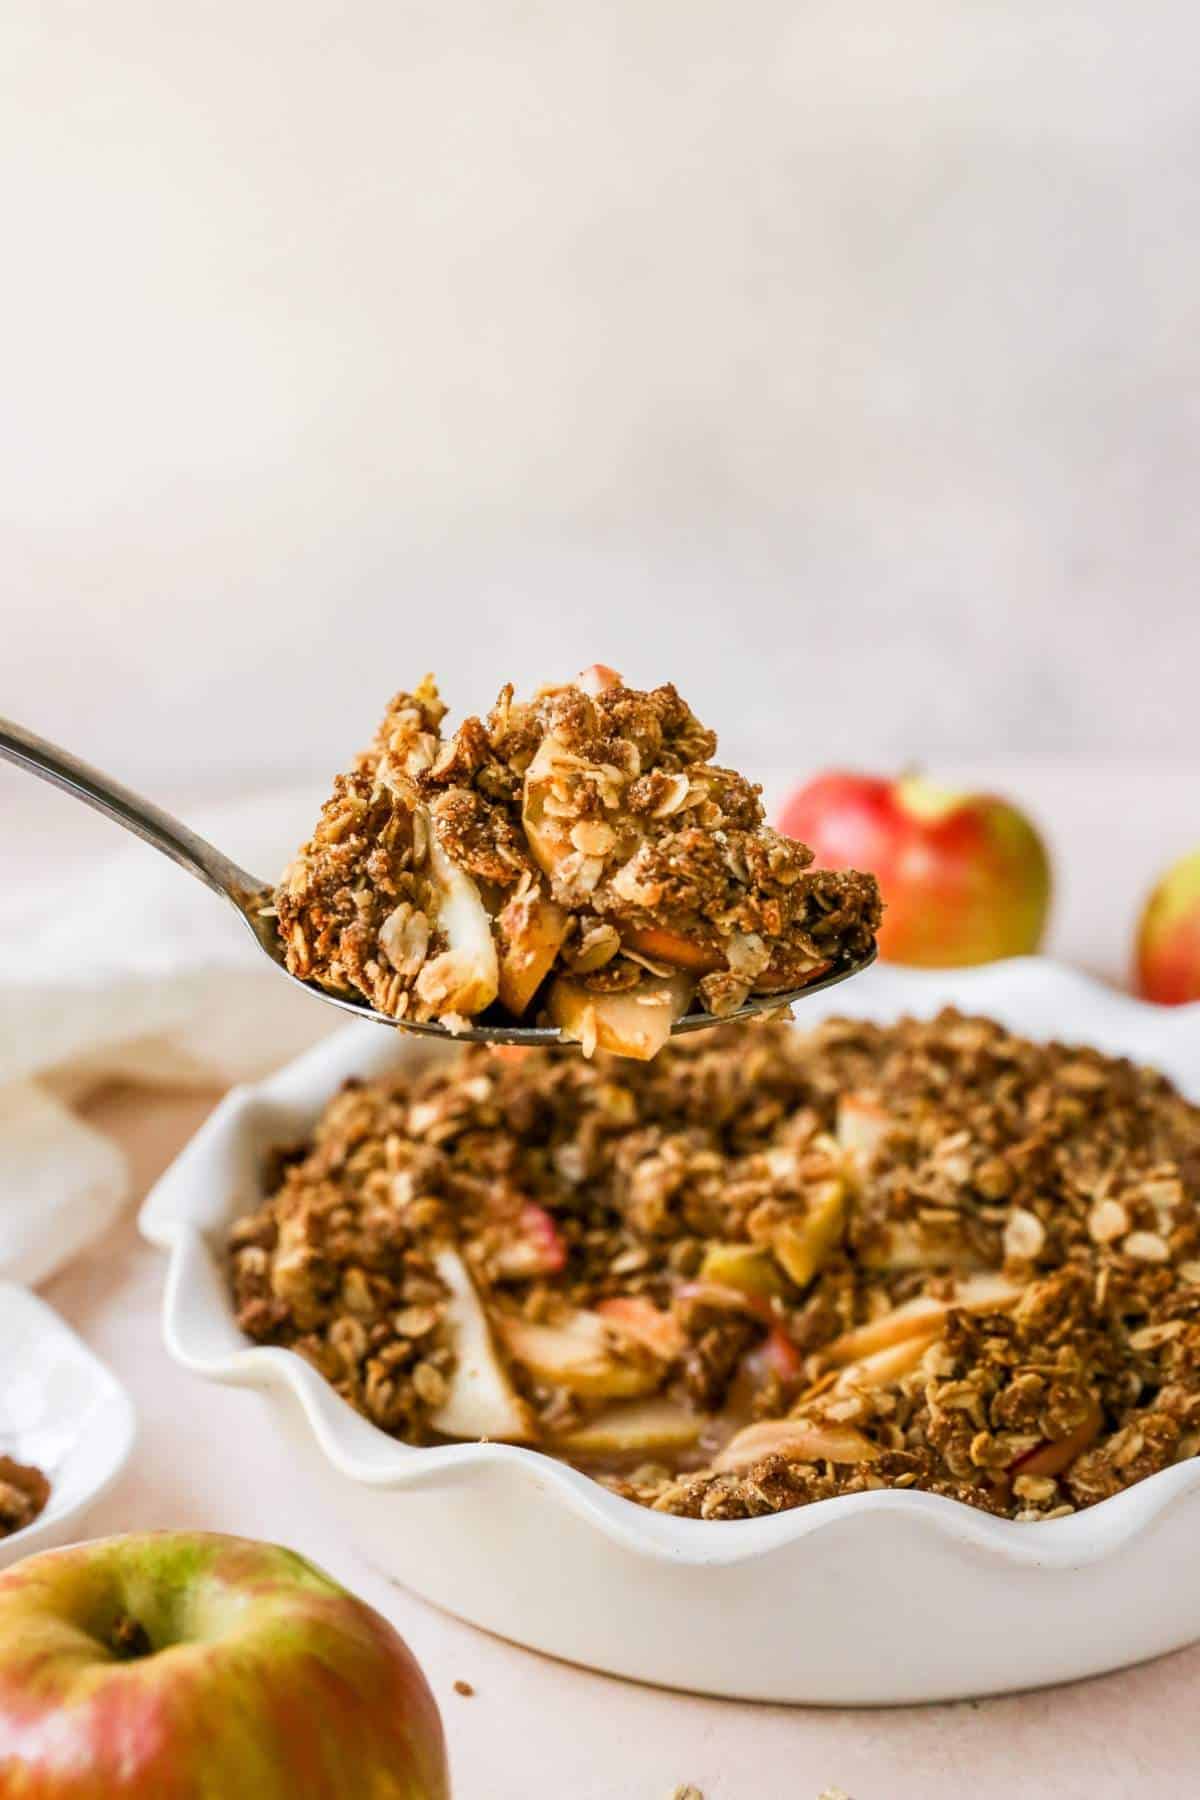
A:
(873, 1598)
(60, 1409)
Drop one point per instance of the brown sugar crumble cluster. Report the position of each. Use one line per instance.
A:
(24, 1492)
(765, 1269)
(577, 858)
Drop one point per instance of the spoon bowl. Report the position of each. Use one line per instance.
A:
(253, 900)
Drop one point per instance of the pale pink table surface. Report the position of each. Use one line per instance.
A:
(536, 1728)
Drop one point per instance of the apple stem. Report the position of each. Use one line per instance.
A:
(130, 1638)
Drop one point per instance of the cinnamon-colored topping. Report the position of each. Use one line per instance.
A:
(24, 1491)
(583, 838)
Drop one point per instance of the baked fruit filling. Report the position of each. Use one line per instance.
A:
(765, 1269)
(577, 858)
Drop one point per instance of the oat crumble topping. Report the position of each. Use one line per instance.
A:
(764, 1269)
(24, 1491)
(577, 857)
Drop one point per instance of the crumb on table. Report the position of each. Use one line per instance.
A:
(24, 1491)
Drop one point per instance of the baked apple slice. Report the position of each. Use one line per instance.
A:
(741, 1266)
(663, 945)
(922, 1317)
(634, 1428)
(530, 931)
(581, 1354)
(535, 1248)
(862, 1126)
(465, 977)
(884, 1366)
(597, 679)
(1057, 1454)
(638, 1318)
(776, 1355)
(797, 1440)
(795, 975)
(481, 1402)
(803, 1242)
(899, 1246)
(637, 1023)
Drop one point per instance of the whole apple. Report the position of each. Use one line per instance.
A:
(189, 1666)
(1167, 967)
(965, 877)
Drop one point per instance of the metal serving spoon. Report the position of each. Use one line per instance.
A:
(251, 897)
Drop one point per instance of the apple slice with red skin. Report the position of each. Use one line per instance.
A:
(780, 1354)
(657, 1331)
(536, 1247)
(481, 1401)
(775, 981)
(726, 1298)
(776, 1353)
(597, 678)
(663, 945)
(530, 932)
(636, 1023)
(190, 1665)
(581, 1354)
(1057, 1454)
(634, 1427)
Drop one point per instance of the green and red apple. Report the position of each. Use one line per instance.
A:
(189, 1666)
(965, 877)
(1167, 967)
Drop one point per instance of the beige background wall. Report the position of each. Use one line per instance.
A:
(839, 362)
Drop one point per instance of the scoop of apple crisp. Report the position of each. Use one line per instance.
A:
(578, 857)
(764, 1269)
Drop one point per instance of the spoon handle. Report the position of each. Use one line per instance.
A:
(142, 817)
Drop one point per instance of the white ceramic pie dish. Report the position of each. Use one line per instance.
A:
(872, 1599)
(61, 1410)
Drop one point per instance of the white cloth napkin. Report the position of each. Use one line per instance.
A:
(129, 970)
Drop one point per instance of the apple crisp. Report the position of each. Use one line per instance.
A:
(577, 859)
(764, 1269)
(24, 1492)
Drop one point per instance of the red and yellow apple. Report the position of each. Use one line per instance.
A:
(1167, 966)
(189, 1666)
(965, 877)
